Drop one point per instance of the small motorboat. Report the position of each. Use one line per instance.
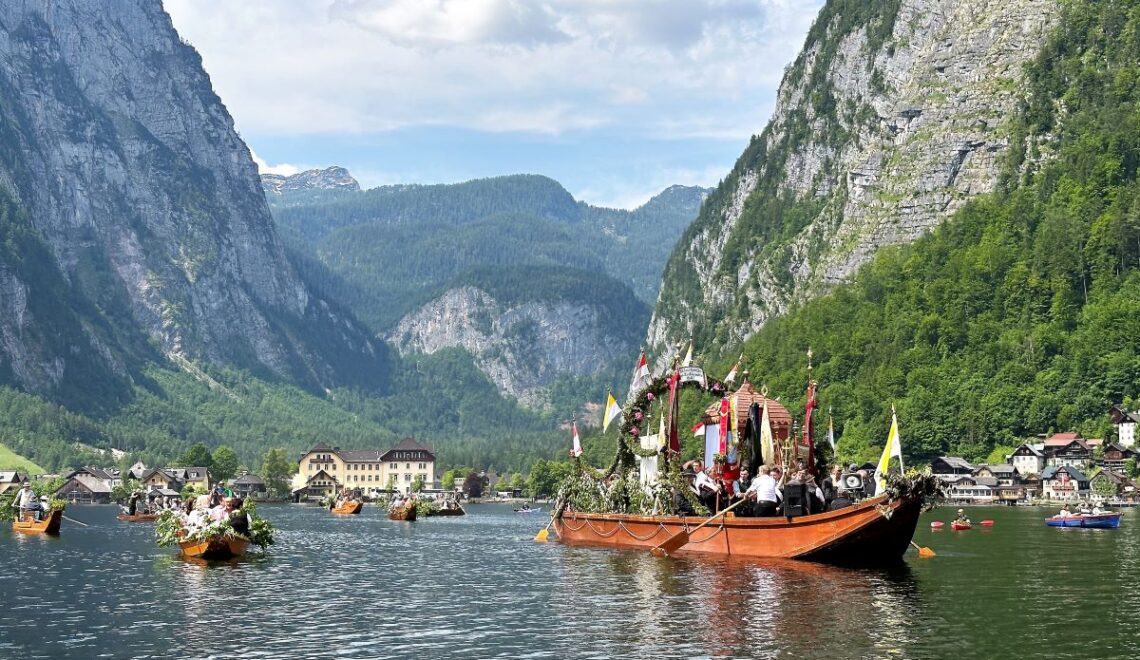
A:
(527, 509)
(29, 525)
(405, 513)
(348, 508)
(217, 547)
(1099, 521)
(960, 526)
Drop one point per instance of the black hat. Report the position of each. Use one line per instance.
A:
(688, 472)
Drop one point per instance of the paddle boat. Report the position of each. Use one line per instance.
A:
(457, 510)
(958, 526)
(1099, 521)
(937, 524)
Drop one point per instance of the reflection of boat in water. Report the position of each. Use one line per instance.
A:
(405, 513)
(29, 525)
(444, 511)
(350, 507)
(874, 531)
(1100, 521)
(137, 517)
(218, 547)
(527, 509)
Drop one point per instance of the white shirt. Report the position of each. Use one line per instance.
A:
(765, 488)
(25, 499)
(703, 480)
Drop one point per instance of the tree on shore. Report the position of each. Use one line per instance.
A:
(275, 469)
(225, 463)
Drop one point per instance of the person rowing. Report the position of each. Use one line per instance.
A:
(962, 518)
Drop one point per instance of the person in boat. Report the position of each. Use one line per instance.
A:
(1096, 510)
(1085, 510)
(239, 519)
(1064, 513)
(830, 485)
(133, 503)
(681, 503)
(815, 494)
(842, 500)
(763, 493)
(962, 518)
(706, 489)
(26, 502)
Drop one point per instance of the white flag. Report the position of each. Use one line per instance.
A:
(893, 448)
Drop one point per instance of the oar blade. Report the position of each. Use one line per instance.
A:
(542, 535)
(671, 544)
(925, 552)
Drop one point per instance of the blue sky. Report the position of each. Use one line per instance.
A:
(615, 99)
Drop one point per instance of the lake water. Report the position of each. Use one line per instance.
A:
(478, 586)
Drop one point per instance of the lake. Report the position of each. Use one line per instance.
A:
(478, 586)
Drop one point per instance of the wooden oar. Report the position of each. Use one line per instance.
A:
(922, 551)
(673, 543)
(75, 521)
(543, 533)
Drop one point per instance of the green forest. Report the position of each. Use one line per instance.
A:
(1019, 316)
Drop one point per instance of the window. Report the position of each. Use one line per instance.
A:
(393, 466)
(407, 466)
(423, 466)
(407, 476)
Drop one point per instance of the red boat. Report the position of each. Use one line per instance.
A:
(960, 526)
(874, 531)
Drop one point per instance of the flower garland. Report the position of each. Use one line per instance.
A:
(171, 527)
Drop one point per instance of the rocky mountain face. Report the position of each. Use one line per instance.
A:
(140, 213)
(521, 346)
(891, 118)
(330, 178)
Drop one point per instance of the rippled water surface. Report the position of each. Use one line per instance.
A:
(479, 586)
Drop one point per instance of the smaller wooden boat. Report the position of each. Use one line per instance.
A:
(138, 517)
(218, 547)
(960, 526)
(457, 511)
(1101, 521)
(349, 508)
(407, 513)
(29, 525)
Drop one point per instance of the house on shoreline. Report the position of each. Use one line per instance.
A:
(323, 469)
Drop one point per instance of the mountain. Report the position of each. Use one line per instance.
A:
(1017, 315)
(133, 221)
(429, 267)
(893, 116)
(330, 178)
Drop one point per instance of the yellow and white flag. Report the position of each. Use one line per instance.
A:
(612, 411)
(688, 355)
(767, 445)
(893, 448)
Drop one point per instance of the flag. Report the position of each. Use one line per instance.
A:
(688, 355)
(809, 428)
(577, 450)
(831, 434)
(612, 410)
(698, 428)
(731, 377)
(674, 413)
(893, 448)
(722, 445)
(640, 375)
(767, 445)
(661, 434)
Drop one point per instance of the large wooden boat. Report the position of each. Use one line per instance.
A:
(218, 547)
(138, 517)
(457, 511)
(407, 512)
(29, 525)
(874, 531)
(349, 508)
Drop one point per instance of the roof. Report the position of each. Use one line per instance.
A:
(185, 472)
(1060, 439)
(746, 395)
(1033, 449)
(10, 476)
(153, 471)
(90, 483)
(408, 444)
(1074, 473)
(1114, 477)
(1121, 416)
(360, 456)
(251, 479)
(999, 468)
(986, 481)
(97, 472)
(164, 492)
(956, 462)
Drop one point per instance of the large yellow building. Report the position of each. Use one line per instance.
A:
(367, 470)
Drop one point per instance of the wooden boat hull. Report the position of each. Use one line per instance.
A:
(457, 511)
(405, 513)
(866, 533)
(219, 547)
(138, 517)
(29, 524)
(349, 508)
(1103, 521)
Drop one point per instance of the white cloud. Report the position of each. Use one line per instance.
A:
(672, 68)
(284, 169)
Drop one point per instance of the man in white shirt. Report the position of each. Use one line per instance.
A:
(763, 492)
(25, 501)
(706, 489)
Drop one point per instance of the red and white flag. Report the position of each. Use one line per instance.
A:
(640, 375)
(577, 450)
(698, 428)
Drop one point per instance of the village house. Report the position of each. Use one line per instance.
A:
(1115, 456)
(198, 477)
(10, 480)
(1028, 459)
(249, 485)
(971, 489)
(1123, 488)
(1125, 423)
(944, 466)
(83, 488)
(1070, 449)
(159, 478)
(369, 470)
(1064, 483)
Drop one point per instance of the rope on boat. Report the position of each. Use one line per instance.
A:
(572, 529)
(719, 529)
(651, 534)
(605, 536)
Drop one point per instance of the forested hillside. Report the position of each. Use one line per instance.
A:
(1021, 314)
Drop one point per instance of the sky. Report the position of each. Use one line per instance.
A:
(615, 99)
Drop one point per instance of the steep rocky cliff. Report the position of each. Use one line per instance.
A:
(330, 178)
(147, 225)
(892, 116)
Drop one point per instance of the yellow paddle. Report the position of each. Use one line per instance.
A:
(673, 543)
(545, 532)
(922, 550)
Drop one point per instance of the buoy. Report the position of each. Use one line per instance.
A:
(937, 524)
(987, 523)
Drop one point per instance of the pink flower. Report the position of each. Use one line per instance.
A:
(649, 395)
(637, 415)
(635, 431)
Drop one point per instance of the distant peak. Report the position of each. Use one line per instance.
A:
(330, 178)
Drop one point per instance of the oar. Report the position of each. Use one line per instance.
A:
(542, 534)
(673, 543)
(922, 551)
(75, 521)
